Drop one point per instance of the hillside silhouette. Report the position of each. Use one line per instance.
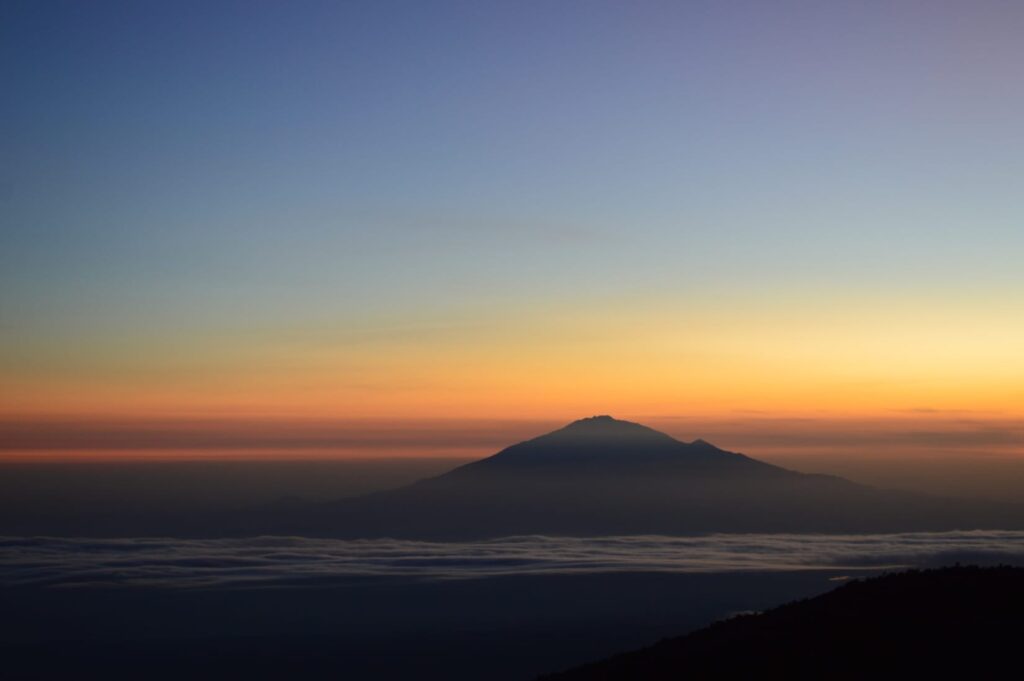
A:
(602, 476)
(956, 620)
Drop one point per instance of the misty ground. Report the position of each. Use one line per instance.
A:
(54, 490)
(496, 628)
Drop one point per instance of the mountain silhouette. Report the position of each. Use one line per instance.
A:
(601, 446)
(602, 476)
(918, 624)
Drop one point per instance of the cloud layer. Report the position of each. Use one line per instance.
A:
(921, 429)
(297, 561)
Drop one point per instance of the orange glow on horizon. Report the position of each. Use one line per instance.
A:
(819, 359)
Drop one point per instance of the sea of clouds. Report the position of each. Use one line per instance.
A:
(298, 561)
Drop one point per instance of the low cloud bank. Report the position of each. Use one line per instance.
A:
(298, 561)
(910, 432)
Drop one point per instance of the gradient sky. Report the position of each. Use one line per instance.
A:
(519, 210)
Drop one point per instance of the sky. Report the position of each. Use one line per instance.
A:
(442, 215)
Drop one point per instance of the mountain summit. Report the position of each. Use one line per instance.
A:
(606, 426)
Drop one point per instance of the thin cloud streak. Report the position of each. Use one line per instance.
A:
(907, 434)
(264, 433)
(298, 561)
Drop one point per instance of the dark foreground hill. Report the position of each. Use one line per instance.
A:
(601, 476)
(918, 624)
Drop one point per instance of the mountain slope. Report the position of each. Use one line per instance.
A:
(960, 619)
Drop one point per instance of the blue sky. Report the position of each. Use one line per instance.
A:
(226, 167)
